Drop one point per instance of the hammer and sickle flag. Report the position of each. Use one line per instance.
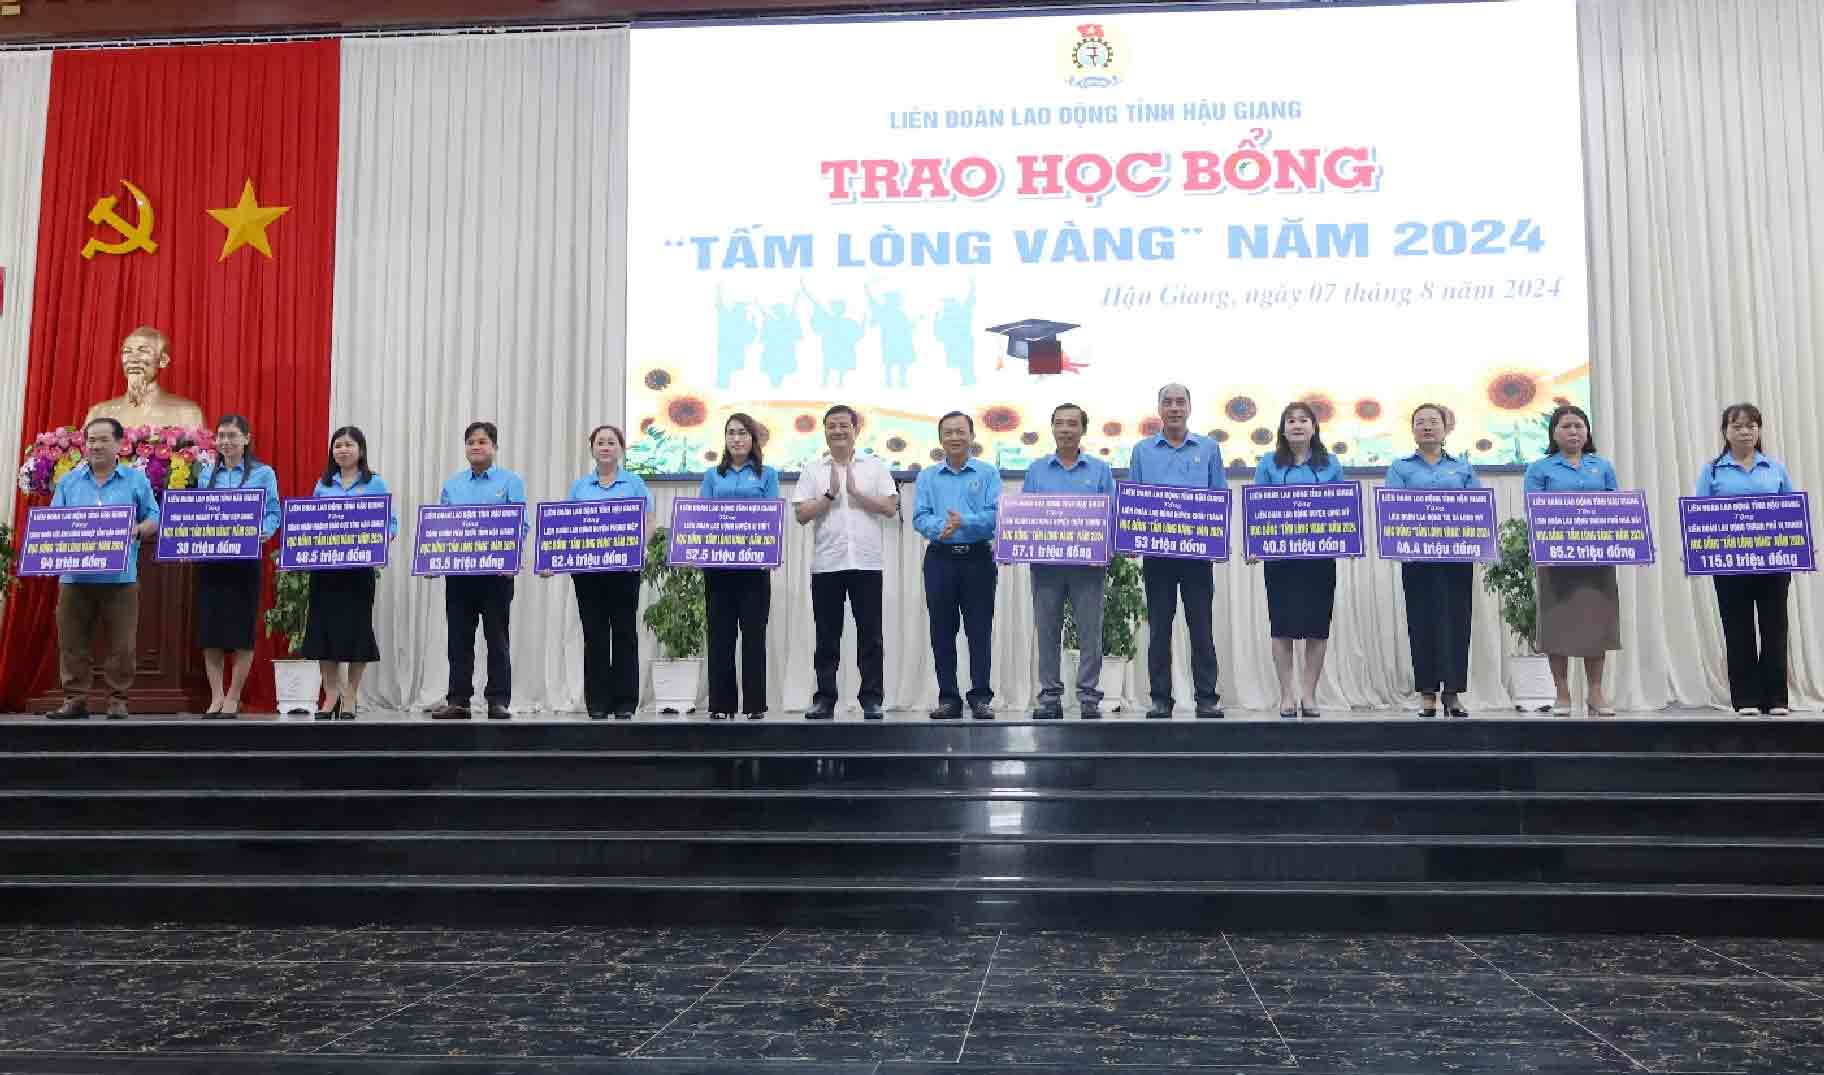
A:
(133, 236)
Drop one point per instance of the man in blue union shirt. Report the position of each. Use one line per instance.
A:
(954, 508)
(1176, 456)
(487, 598)
(1068, 470)
(101, 601)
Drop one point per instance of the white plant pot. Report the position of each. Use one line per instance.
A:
(1113, 680)
(297, 683)
(1114, 683)
(1529, 681)
(675, 684)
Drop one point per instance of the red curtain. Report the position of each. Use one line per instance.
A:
(188, 126)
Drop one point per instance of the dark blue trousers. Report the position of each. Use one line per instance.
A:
(959, 586)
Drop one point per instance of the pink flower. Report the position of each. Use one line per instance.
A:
(162, 452)
(144, 450)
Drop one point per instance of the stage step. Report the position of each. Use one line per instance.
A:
(864, 771)
(1692, 823)
(1119, 857)
(921, 902)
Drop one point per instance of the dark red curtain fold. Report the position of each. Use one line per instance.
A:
(249, 334)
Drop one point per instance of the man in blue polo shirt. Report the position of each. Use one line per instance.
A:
(1176, 456)
(487, 598)
(1068, 470)
(94, 603)
(954, 508)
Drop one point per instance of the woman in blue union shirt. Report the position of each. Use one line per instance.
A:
(227, 595)
(1437, 594)
(607, 600)
(1757, 677)
(1301, 594)
(1579, 607)
(339, 634)
(738, 599)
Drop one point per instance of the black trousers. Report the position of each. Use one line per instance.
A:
(1757, 677)
(489, 599)
(861, 589)
(737, 602)
(1437, 624)
(959, 585)
(1166, 580)
(606, 602)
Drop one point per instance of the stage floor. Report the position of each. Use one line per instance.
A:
(211, 1001)
(851, 714)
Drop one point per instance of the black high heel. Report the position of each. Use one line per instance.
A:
(330, 714)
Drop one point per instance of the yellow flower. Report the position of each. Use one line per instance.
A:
(179, 478)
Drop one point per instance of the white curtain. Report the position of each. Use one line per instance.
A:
(25, 91)
(479, 267)
(480, 276)
(1704, 136)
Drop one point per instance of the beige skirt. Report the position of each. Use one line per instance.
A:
(1579, 611)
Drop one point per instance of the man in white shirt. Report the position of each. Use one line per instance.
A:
(847, 496)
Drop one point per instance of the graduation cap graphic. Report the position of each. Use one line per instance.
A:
(1035, 342)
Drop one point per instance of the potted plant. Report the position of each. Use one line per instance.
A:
(1510, 579)
(677, 618)
(1123, 604)
(9, 562)
(295, 682)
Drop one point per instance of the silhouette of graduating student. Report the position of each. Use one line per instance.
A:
(735, 333)
(952, 326)
(840, 335)
(897, 351)
(779, 336)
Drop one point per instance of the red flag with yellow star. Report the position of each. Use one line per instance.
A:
(192, 189)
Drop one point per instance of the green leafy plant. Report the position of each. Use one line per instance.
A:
(290, 609)
(1123, 604)
(1510, 579)
(677, 616)
(9, 564)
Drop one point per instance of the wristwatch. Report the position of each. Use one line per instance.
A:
(829, 494)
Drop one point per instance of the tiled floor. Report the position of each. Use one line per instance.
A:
(389, 1001)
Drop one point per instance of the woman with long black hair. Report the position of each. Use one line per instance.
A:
(227, 593)
(1757, 673)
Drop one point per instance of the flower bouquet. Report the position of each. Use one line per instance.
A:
(170, 456)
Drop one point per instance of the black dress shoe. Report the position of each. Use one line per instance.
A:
(1089, 711)
(450, 711)
(872, 712)
(626, 714)
(1160, 711)
(820, 711)
(1212, 711)
(499, 712)
(1428, 712)
(981, 711)
(721, 716)
(947, 711)
(757, 716)
(598, 714)
(1457, 711)
(69, 711)
(1048, 712)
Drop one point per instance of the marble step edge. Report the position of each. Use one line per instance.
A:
(911, 793)
(960, 884)
(736, 836)
(839, 754)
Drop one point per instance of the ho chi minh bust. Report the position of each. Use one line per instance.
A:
(143, 355)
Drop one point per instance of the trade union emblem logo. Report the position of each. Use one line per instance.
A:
(1094, 57)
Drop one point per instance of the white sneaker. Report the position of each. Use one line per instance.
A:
(1747, 711)
(1779, 711)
